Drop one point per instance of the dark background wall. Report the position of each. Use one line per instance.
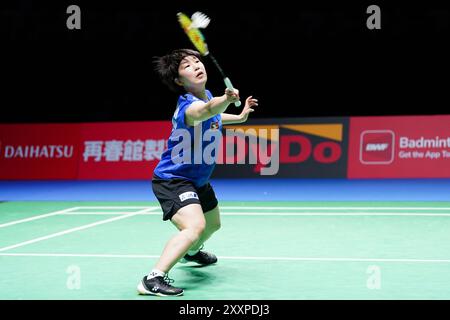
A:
(301, 59)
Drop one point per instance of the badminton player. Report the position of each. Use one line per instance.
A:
(183, 190)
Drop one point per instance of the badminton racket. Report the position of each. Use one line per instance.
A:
(191, 27)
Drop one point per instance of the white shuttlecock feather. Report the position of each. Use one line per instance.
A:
(199, 20)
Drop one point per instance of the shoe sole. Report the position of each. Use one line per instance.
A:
(141, 290)
(184, 261)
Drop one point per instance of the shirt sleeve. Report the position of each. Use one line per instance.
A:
(183, 103)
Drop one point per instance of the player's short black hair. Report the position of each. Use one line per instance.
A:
(167, 66)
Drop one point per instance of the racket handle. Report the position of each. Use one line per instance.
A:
(230, 86)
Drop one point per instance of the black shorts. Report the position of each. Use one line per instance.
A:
(174, 194)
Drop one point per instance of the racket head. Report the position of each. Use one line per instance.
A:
(194, 34)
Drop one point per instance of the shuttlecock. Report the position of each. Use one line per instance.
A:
(199, 20)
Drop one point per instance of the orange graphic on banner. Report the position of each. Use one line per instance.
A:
(330, 131)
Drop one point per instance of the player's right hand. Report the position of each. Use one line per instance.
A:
(232, 96)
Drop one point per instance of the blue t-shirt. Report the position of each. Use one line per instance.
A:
(170, 166)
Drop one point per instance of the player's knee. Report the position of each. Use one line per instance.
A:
(199, 227)
(191, 235)
(195, 231)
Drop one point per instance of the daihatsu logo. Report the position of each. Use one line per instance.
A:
(38, 151)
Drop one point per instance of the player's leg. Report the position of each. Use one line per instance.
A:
(195, 253)
(212, 218)
(191, 223)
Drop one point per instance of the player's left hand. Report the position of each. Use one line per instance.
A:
(249, 104)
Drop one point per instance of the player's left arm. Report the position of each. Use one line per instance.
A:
(243, 116)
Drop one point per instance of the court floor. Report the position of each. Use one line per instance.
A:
(266, 250)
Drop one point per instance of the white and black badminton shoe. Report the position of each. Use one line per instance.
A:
(201, 257)
(158, 286)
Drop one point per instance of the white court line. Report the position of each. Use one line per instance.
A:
(339, 259)
(38, 217)
(114, 207)
(333, 208)
(57, 234)
(108, 213)
(274, 214)
(143, 256)
(81, 255)
(225, 207)
(340, 214)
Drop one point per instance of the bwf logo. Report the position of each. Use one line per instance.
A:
(377, 147)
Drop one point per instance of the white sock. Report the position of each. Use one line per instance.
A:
(193, 252)
(155, 273)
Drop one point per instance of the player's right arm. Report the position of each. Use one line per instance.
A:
(200, 111)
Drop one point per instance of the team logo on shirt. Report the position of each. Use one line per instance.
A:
(214, 125)
(188, 195)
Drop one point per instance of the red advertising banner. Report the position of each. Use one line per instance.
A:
(39, 151)
(122, 150)
(399, 147)
(378, 147)
(125, 150)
